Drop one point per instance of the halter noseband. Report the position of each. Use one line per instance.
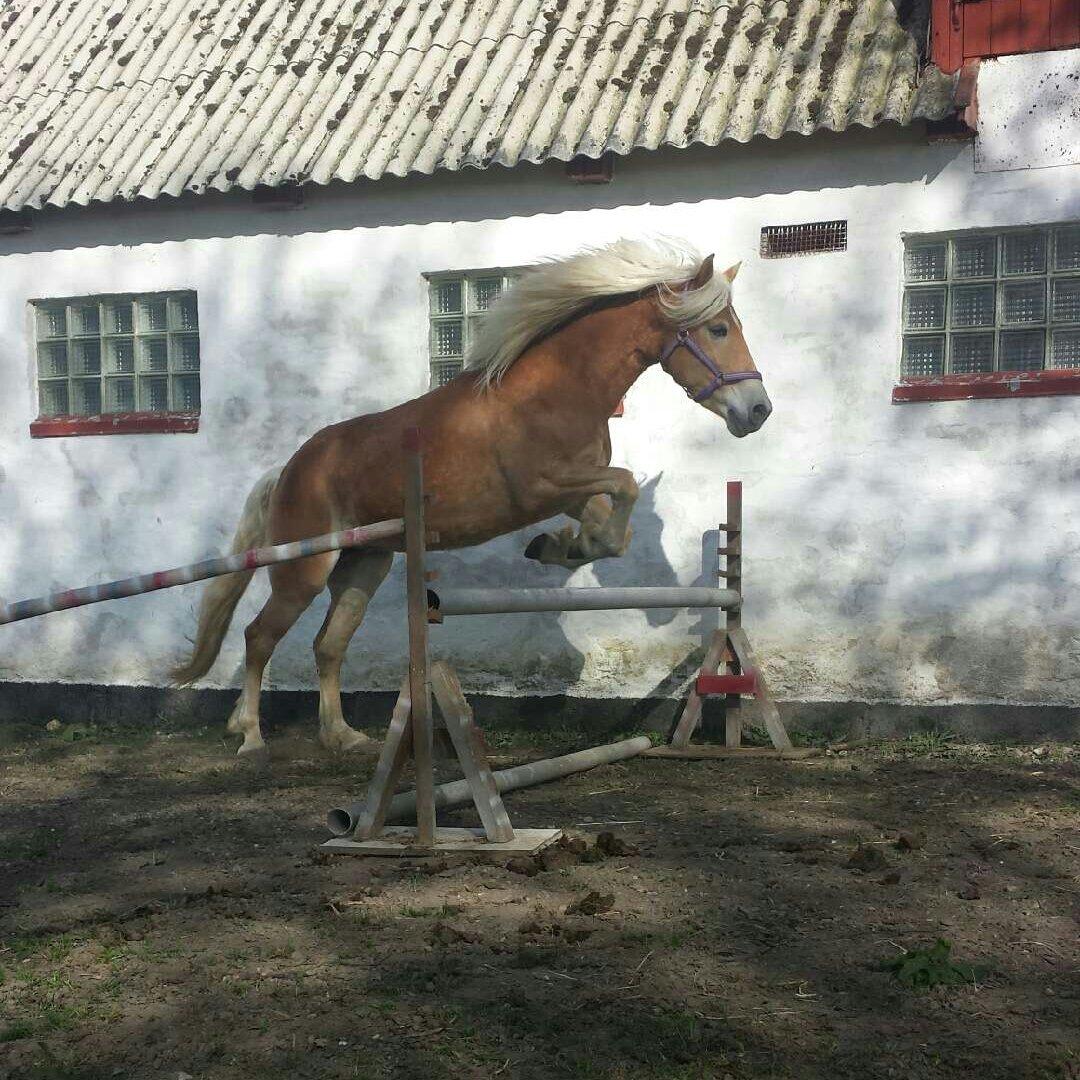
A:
(719, 378)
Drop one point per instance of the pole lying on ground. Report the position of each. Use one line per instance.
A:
(512, 601)
(342, 819)
(184, 575)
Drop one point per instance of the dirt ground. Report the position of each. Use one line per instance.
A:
(165, 913)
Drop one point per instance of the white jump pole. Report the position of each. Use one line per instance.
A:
(341, 820)
(513, 601)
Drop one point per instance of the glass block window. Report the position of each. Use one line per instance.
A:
(992, 301)
(456, 305)
(117, 354)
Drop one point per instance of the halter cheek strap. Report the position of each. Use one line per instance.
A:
(719, 378)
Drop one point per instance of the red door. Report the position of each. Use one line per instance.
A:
(965, 30)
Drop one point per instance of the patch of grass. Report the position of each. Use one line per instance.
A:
(928, 743)
(927, 968)
(26, 946)
(70, 733)
(825, 731)
(59, 1018)
(60, 947)
(21, 1029)
(55, 1018)
(362, 916)
(114, 955)
(154, 953)
(755, 735)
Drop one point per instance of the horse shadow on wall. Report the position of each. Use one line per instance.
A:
(540, 656)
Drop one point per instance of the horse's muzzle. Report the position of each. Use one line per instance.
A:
(748, 407)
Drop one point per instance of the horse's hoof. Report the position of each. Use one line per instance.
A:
(251, 747)
(536, 547)
(340, 742)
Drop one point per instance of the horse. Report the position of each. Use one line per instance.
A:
(520, 436)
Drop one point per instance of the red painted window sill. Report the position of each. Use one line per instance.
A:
(995, 384)
(145, 423)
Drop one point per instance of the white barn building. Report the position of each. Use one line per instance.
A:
(226, 225)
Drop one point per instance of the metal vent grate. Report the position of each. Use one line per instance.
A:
(783, 241)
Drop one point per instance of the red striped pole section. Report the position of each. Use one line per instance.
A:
(184, 575)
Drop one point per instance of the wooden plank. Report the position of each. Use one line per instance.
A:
(770, 714)
(945, 34)
(1064, 23)
(395, 752)
(733, 528)
(691, 714)
(976, 30)
(416, 598)
(744, 655)
(401, 842)
(1034, 25)
(1005, 26)
(732, 722)
(746, 683)
(699, 752)
(733, 617)
(463, 732)
(995, 384)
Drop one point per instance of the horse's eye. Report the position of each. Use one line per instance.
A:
(718, 331)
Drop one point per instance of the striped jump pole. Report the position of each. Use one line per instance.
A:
(184, 575)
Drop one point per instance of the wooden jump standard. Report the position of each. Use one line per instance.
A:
(730, 668)
(410, 734)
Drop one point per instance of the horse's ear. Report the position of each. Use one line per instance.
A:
(732, 272)
(703, 276)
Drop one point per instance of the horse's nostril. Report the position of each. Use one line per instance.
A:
(760, 413)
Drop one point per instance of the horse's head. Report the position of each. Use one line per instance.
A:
(710, 360)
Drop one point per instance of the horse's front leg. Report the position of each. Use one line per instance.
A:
(603, 501)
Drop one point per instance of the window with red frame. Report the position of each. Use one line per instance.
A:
(117, 363)
(964, 30)
(991, 313)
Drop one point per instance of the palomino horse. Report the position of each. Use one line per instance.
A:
(519, 437)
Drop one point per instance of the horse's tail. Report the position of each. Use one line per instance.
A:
(223, 593)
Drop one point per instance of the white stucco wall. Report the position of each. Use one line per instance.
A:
(922, 553)
(1032, 118)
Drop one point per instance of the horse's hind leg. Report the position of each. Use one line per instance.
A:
(352, 584)
(294, 586)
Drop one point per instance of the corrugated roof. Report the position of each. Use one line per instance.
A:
(114, 99)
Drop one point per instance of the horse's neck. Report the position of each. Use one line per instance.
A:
(589, 364)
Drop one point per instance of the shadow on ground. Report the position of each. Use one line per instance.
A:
(165, 910)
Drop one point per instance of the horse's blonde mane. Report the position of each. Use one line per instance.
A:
(556, 290)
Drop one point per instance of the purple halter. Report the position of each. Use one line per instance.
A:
(719, 378)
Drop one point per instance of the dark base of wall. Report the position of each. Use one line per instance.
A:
(37, 703)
